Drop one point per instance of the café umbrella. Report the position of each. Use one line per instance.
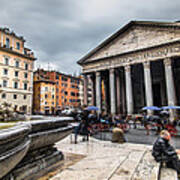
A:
(170, 107)
(154, 108)
(92, 108)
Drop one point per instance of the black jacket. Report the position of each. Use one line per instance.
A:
(163, 151)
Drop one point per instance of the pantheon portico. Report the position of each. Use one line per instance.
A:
(139, 66)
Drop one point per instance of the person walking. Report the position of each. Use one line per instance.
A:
(146, 123)
(164, 152)
(82, 128)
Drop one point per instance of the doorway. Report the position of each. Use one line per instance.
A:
(157, 94)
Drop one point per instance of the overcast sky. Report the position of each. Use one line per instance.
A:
(62, 31)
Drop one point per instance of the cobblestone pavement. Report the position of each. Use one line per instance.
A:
(139, 136)
(108, 161)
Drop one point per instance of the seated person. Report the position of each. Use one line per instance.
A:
(118, 135)
(164, 152)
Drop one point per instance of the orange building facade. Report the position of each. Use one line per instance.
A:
(66, 88)
(44, 97)
(16, 71)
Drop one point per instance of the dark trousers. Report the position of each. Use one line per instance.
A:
(81, 129)
(174, 164)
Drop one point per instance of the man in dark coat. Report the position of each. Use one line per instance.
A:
(163, 151)
(83, 127)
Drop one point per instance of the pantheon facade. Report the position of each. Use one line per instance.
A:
(138, 66)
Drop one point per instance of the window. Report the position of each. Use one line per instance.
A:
(6, 61)
(72, 94)
(17, 64)
(46, 88)
(64, 78)
(46, 96)
(4, 83)
(16, 73)
(15, 96)
(25, 75)
(15, 108)
(25, 97)
(7, 43)
(26, 66)
(3, 96)
(52, 96)
(15, 85)
(57, 76)
(5, 72)
(66, 93)
(25, 86)
(17, 45)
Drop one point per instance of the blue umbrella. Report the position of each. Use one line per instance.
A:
(171, 107)
(155, 108)
(92, 108)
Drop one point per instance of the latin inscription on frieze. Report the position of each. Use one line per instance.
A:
(134, 57)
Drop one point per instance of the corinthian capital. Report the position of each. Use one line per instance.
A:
(146, 64)
(167, 62)
(111, 71)
(98, 73)
(127, 68)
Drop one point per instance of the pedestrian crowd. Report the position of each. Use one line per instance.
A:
(92, 122)
(162, 151)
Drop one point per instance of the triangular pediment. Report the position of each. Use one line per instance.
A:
(132, 37)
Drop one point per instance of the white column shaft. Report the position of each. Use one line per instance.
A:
(112, 91)
(169, 83)
(98, 90)
(85, 90)
(129, 95)
(148, 84)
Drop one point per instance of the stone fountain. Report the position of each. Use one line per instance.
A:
(27, 150)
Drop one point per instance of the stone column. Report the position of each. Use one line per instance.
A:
(112, 90)
(129, 95)
(170, 85)
(92, 90)
(148, 85)
(85, 89)
(2, 39)
(118, 93)
(98, 90)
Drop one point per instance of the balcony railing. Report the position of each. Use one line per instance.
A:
(25, 52)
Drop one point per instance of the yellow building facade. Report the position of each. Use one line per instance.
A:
(16, 71)
(44, 97)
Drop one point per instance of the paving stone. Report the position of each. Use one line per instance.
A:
(148, 168)
(168, 174)
(127, 168)
(104, 160)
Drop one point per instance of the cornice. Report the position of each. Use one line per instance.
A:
(16, 53)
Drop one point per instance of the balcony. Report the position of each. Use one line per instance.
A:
(27, 52)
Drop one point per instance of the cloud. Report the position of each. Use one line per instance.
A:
(62, 31)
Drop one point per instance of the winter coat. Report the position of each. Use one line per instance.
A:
(163, 151)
